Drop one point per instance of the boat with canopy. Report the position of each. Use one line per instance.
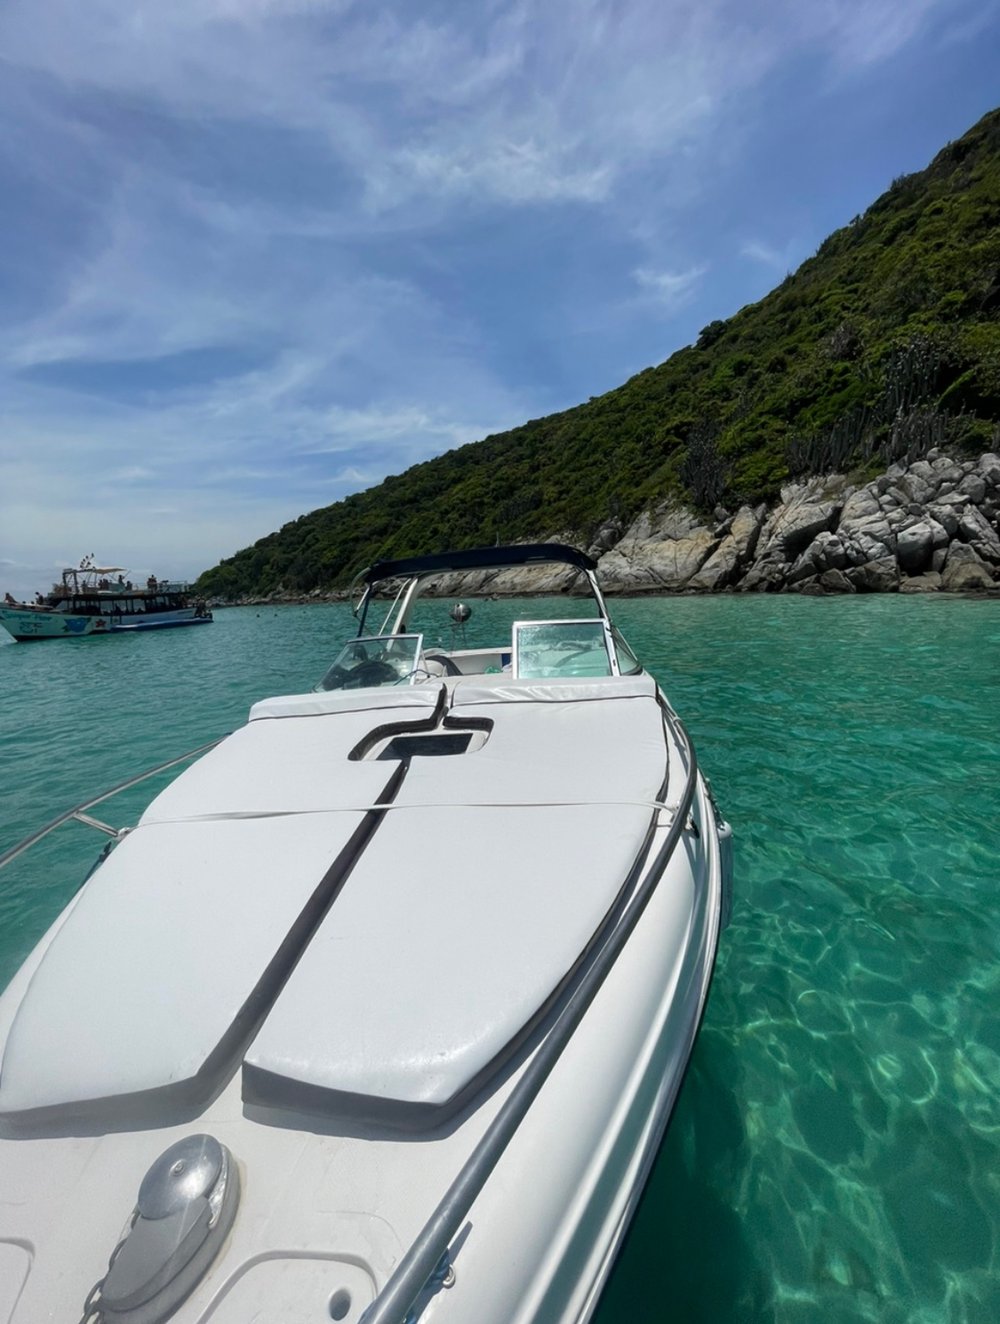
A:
(91, 599)
(380, 1010)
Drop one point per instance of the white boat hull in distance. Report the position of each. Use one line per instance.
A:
(91, 599)
(380, 1011)
(26, 623)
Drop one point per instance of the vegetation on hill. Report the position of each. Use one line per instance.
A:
(883, 344)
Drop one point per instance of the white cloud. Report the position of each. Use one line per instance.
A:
(512, 102)
(347, 428)
(517, 172)
(779, 259)
(672, 289)
(860, 34)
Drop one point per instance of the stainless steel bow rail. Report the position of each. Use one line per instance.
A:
(430, 1249)
(429, 1252)
(79, 811)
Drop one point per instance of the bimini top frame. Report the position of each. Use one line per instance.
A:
(479, 558)
(413, 569)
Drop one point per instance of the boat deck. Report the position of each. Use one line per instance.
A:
(353, 1029)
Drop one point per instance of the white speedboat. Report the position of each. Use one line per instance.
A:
(381, 1009)
(91, 599)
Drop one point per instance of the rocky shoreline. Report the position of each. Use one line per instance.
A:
(929, 526)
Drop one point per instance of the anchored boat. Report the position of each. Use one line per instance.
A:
(381, 1009)
(92, 599)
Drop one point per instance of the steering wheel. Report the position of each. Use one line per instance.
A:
(336, 678)
(375, 672)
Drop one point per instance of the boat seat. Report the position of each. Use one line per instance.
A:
(175, 934)
(142, 997)
(292, 756)
(504, 688)
(434, 964)
(337, 703)
(448, 667)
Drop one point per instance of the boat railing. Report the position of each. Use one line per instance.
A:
(429, 1251)
(78, 812)
(426, 1261)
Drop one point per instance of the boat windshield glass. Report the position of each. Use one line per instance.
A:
(388, 659)
(560, 648)
(628, 663)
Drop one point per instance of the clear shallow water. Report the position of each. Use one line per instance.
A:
(835, 1153)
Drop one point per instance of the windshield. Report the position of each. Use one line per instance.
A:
(388, 659)
(544, 649)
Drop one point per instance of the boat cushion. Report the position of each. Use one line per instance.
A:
(471, 904)
(289, 766)
(508, 689)
(547, 750)
(166, 944)
(435, 959)
(322, 702)
(180, 924)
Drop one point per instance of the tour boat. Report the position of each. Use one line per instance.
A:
(92, 599)
(381, 1009)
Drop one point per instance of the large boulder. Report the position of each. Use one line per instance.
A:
(877, 576)
(526, 580)
(870, 528)
(825, 552)
(765, 575)
(861, 504)
(520, 581)
(915, 547)
(949, 474)
(919, 483)
(805, 510)
(605, 538)
(735, 552)
(928, 583)
(964, 572)
(946, 517)
(860, 548)
(975, 529)
(864, 529)
(835, 581)
(956, 501)
(974, 487)
(988, 468)
(662, 550)
(674, 563)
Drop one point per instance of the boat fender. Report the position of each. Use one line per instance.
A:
(186, 1205)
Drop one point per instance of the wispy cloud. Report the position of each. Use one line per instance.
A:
(347, 428)
(778, 259)
(510, 102)
(858, 35)
(672, 289)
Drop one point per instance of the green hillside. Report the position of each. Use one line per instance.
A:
(883, 344)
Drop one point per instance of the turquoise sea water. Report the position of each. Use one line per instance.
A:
(835, 1153)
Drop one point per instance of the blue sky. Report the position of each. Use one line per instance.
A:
(257, 254)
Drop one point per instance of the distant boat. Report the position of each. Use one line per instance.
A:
(91, 599)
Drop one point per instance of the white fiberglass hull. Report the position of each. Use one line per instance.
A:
(26, 623)
(345, 1140)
